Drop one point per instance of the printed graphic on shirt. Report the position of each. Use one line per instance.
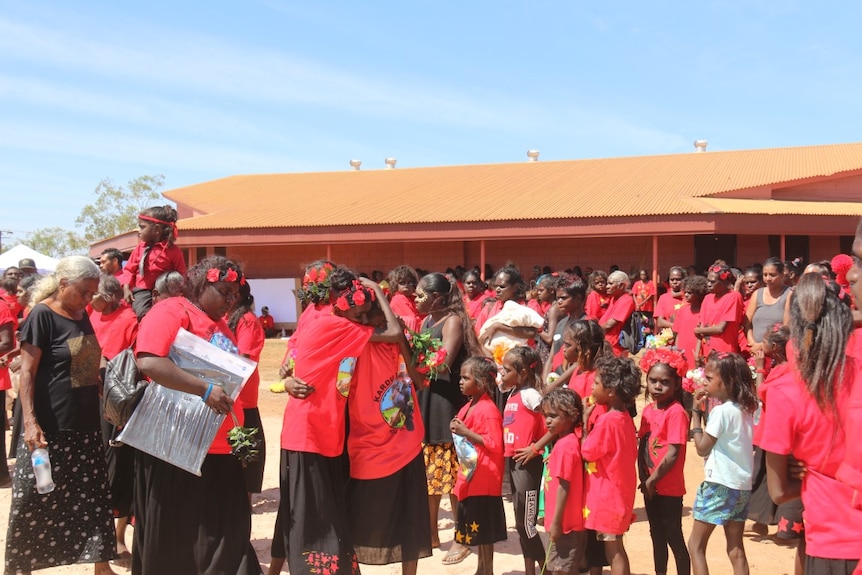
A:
(86, 354)
(345, 374)
(396, 404)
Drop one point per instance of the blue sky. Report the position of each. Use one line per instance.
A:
(202, 90)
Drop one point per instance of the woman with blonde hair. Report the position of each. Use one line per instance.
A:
(59, 394)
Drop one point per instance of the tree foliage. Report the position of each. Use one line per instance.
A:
(56, 242)
(116, 208)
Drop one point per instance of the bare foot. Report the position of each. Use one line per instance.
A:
(104, 568)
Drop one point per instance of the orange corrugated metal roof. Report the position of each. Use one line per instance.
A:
(610, 187)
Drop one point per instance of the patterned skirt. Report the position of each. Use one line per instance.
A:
(441, 466)
(72, 524)
(718, 504)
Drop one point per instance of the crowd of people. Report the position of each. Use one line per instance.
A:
(427, 384)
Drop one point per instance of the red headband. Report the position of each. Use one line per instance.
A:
(172, 225)
(667, 355)
(229, 275)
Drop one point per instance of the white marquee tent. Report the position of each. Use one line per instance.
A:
(10, 258)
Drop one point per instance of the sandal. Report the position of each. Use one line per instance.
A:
(454, 557)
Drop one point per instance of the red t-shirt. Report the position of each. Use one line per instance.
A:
(668, 306)
(157, 332)
(850, 471)
(779, 371)
(610, 452)
(663, 428)
(6, 318)
(115, 331)
(522, 424)
(728, 308)
(683, 326)
(596, 305)
(163, 257)
(582, 384)
(325, 359)
(489, 310)
(644, 293)
(405, 308)
(794, 424)
(11, 300)
(484, 418)
(620, 309)
(249, 342)
(266, 322)
(386, 428)
(539, 307)
(566, 463)
(307, 316)
(474, 306)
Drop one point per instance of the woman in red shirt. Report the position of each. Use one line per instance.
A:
(184, 523)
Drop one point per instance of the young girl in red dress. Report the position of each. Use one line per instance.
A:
(154, 255)
(522, 425)
(610, 450)
(661, 456)
(720, 314)
(478, 432)
(564, 490)
(644, 293)
(313, 500)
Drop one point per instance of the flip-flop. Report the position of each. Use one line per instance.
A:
(453, 558)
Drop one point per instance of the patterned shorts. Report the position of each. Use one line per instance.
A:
(717, 504)
(441, 466)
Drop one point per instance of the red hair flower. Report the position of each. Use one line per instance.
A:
(722, 272)
(342, 303)
(311, 276)
(213, 275)
(359, 297)
(230, 275)
(666, 355)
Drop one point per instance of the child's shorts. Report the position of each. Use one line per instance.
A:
(566, 553)
(717, 504)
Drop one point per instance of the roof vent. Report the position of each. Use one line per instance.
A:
(390, 163)
(355, 164)
(700, 145)
(533, 155)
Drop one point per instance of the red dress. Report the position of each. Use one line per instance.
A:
(644, 293)
(727, 308)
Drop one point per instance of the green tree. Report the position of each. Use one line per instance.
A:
(56, 242)
(116, 208)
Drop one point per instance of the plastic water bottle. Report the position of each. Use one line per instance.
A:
(42, 469)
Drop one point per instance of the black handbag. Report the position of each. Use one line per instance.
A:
(124, 387)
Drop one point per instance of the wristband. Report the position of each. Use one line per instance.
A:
(697, 430)
(207, 394)
(536, 451)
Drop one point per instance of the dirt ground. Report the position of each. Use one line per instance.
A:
(764, 555)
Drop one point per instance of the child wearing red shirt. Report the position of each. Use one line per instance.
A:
(564, 492)
(663, 435)
(522, 425)
(154, 255)
(610, 452)
(478, 436)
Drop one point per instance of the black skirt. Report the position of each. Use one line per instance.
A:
(438, 404)
(253, 472)
(313, 512)
(481, 520)
(389, 519)
(189, 524)
(73, 523)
